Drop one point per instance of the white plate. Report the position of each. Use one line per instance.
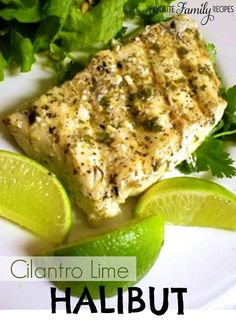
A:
(202, 260)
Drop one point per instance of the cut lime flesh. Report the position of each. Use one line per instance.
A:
(190, 202)
(32, 197)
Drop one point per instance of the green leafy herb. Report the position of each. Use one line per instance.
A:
(104, 137)
(230, 112)
(212, 52)
(105, 102)
(121, 33)
(212, 154)
(67, 71)
(151, 125)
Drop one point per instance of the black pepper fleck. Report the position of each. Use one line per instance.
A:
(51, 130)
(119, 65)
(102, 126)
(32, 116)
(6, 121)
(116, 191)
(173, 25)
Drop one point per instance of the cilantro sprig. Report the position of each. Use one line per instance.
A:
(212, 155)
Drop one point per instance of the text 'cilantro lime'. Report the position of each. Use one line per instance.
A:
(139, 238)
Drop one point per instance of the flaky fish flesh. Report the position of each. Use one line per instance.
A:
(134, 113)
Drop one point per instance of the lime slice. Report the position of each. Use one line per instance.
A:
(190, 202)
(32, 197)
(141, 238)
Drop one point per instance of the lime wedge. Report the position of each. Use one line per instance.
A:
(140, 238)
(33, 197)
(190, 202)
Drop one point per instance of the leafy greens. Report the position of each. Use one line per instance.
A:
(59, 27)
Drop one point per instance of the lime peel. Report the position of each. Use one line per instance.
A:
(140, 238)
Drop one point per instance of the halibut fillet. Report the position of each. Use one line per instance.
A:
(135, 112)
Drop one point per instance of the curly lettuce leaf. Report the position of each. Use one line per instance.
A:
(144, 9)
(54, 15)
(99, 25)
(25, 11)
(58, 27)
(21, 51)
(3, 65)
(17, 2)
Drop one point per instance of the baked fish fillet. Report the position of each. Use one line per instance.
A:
(135, 112)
